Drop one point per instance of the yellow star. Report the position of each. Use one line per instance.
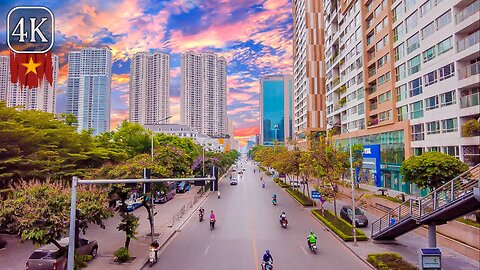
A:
(31, 66)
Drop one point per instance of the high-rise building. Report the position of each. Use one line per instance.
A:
(402, 77)
(308, 68)
(41, 98)
(149, 88)
(204, 93)
(231, 133)
(89, 86)
(276, 109)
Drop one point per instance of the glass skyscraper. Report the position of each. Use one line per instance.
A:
(275, 109)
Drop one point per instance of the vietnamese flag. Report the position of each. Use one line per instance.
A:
(29, 69)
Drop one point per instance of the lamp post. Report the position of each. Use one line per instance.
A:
(353, 183)
(153, 130)
(275, 128)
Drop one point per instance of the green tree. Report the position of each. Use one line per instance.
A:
(39, 212)
(134, 137)
(431, 169)
(69, 119)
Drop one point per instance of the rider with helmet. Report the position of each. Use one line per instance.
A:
(267, 259)
(311, 239)
(283, 216)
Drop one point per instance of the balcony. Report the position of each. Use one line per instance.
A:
(371, 89)
(470, 100)
(335, 82)
(468, 41)
(471, 128)
(470, 70)
(342, 89)
(467, 12)
(342, 102)
(373, 121)
(372, 72)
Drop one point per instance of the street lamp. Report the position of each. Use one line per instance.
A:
(275, 128)
(153, 130)
(353, 184)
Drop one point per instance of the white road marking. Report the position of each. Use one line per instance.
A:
(206, 250)
(304, 250)
(211, 237)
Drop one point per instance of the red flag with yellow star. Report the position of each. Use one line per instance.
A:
(30, 69)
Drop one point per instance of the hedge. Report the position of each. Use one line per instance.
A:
(300, 197)
(389, 261)
(339, 226)
(281, 183)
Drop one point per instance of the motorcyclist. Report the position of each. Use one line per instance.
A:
(263, 184)
(311, 239)
(201, 211)
(283, 216)
(212, 216)
(274, 198)
(267, 258)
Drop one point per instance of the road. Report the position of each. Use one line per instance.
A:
(247, 225)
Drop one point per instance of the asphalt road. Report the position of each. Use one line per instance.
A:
(247, 225)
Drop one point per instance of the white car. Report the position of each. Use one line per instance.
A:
(295, 183)
(233, 181)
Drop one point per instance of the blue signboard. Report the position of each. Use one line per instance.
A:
(316, 195)
(371, 162)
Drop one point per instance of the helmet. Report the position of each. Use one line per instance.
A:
(268, 251)
(311, 231)
(283, 212)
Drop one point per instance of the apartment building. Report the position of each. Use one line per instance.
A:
(309, 69)
(149, 88)
(402, 77)
(203, 93)
(89, 86)
(41, 98)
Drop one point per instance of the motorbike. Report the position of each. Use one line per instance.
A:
(274, 201)
(267, 266)
(200, 216)
(263, 185)
(313, 247)
(153, 253)
(212, 224)
(284, 223)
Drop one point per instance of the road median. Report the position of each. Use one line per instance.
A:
(339, 226)
(300, 197)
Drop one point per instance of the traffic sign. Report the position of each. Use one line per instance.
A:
(316, 195)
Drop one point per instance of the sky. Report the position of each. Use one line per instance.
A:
(255, 36)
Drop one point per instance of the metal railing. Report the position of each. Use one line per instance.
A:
(467, 11)
(470, 100)
(470, 70)
(421, 208)
(468, 41)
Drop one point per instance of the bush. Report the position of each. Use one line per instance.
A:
(339, 226)
(389, 261)
(281, 183)
(122, 254)
(300, 197)
(276, 180)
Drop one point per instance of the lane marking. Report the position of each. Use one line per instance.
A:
(206, 250)
(304, 250)
(211, 237)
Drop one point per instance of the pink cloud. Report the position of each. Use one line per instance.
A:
(117, 117)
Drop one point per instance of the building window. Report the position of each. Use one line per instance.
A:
(445, 45)
(426, 7)
(452, 151)
(416, 110)
(448, 98)
(360, 94)
(385, 116)
(399, 52)
(417, 151)
(433, 149)
(402, 92)
(417, 133)
(413, 65)
(445, 19)
(398, 12)
(431, 103)
(402, 113)
(411, 22)
(415, 87)
(430, 78)
(433, 127)
(428, 54)
(384, 78)
(446, 72)
(398, 32)
(400, 72)
(428, 30)
(413, 43)
(361, 108)
(449, 125)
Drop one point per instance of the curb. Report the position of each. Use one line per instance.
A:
(341, 240)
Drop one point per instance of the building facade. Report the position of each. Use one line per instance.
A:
(309, 68)
(276, 109)
(89, 87)
(204, 93)
(149, 88)
(403, 75)
(41, 98)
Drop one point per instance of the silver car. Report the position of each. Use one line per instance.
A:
(49, 257)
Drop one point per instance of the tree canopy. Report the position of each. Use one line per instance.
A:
(431, 169)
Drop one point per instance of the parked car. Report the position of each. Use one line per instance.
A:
(360, 219)
(295, 183)
(165, 195)
(183, 187)
(233, 181)
(49, 257)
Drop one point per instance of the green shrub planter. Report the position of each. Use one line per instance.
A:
(300, 197)
(389, 261)
(276, 180)
(339, 226)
